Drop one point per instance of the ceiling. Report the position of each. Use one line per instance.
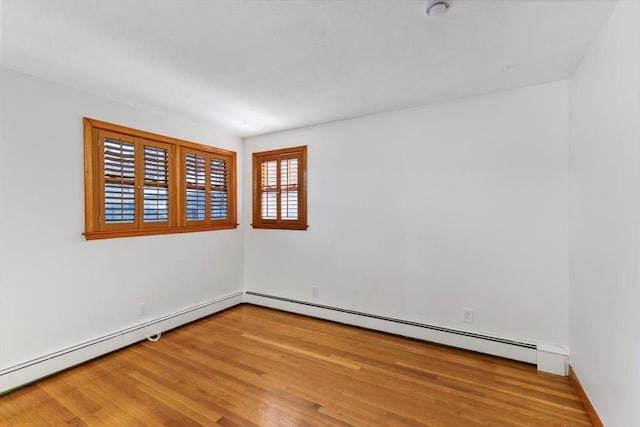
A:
(258, 66)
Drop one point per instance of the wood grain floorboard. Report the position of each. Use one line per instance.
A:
(252, 366)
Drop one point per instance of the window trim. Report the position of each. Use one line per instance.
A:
(94, 203)
(258, 158)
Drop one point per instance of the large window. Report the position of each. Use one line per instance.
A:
(280, 189)
(137, 183)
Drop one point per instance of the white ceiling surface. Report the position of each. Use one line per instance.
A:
(260, 66)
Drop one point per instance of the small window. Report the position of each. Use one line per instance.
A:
(280, 189)
(137, 183)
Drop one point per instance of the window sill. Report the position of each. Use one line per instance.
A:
(96, 235)
(298, 227)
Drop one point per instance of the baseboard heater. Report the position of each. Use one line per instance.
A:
(34, 369)
(396, 320)
(548, 358)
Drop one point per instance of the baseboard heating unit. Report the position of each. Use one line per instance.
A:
(29, 371)
(548, 357)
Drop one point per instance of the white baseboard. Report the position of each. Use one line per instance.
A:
(24, 373)
(553, 359)
(548, 358)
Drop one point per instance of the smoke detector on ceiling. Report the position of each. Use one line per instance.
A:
(436, 7)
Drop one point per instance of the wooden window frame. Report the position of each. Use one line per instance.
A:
(258, 158)
(97, 228)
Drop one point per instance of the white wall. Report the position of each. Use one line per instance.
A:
(56, 289)
(605, 219)
(418, 213)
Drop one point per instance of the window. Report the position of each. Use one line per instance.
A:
(280, 189)
(206, 195)
(137, 183)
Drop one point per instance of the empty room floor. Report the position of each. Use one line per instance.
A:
(253, 366)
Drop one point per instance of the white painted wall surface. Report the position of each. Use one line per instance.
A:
(418, 213)
(56, 289)
(605, 219)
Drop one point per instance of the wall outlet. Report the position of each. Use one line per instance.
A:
(467, 315)
(314, 291)
(143, 309)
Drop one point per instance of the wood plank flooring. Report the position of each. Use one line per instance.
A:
(252, 366)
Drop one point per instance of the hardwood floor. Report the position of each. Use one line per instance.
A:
(254, 366)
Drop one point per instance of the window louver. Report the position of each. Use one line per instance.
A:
(138, 183)
(279, 199)
(119, 182)
(269, 189)
(196, 187)
(289, 189)
(156, 184)
(218, 194)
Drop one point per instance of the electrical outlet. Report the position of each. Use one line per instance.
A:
(314, 291)
(467, 315)
(143, 309)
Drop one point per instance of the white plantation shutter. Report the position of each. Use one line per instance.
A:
(119, 159)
